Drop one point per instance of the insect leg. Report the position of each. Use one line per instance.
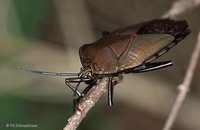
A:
(75, 89)
(72, 88)
(85, 91)
(152, 66)
(74, 95)
(75, 80)
(110, 92)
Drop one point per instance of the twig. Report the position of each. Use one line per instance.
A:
(184, 87)
(86, 104)
(179, 7)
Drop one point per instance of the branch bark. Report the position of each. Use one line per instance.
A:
(86, 104)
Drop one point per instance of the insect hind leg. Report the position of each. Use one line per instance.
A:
(151, 66)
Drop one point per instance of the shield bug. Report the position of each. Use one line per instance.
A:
(128, 50)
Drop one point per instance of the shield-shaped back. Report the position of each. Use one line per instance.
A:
(102, 56)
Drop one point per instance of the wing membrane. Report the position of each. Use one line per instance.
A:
(142, 48)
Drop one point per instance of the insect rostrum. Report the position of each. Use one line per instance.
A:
(128, 50)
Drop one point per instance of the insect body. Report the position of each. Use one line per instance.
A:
(116, 53)
(130, 47)
(128, 50)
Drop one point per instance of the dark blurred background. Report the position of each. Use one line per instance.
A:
(46, 35)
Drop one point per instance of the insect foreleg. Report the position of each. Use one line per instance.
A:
(85, 91)
(75, 80)
(72, 88)
(75, 88)
(74, 95)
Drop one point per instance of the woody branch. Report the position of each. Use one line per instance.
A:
(86, 104)
(178, 8)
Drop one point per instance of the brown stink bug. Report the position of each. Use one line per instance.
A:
(127, 50)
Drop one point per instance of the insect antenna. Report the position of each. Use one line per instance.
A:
(48, 73)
